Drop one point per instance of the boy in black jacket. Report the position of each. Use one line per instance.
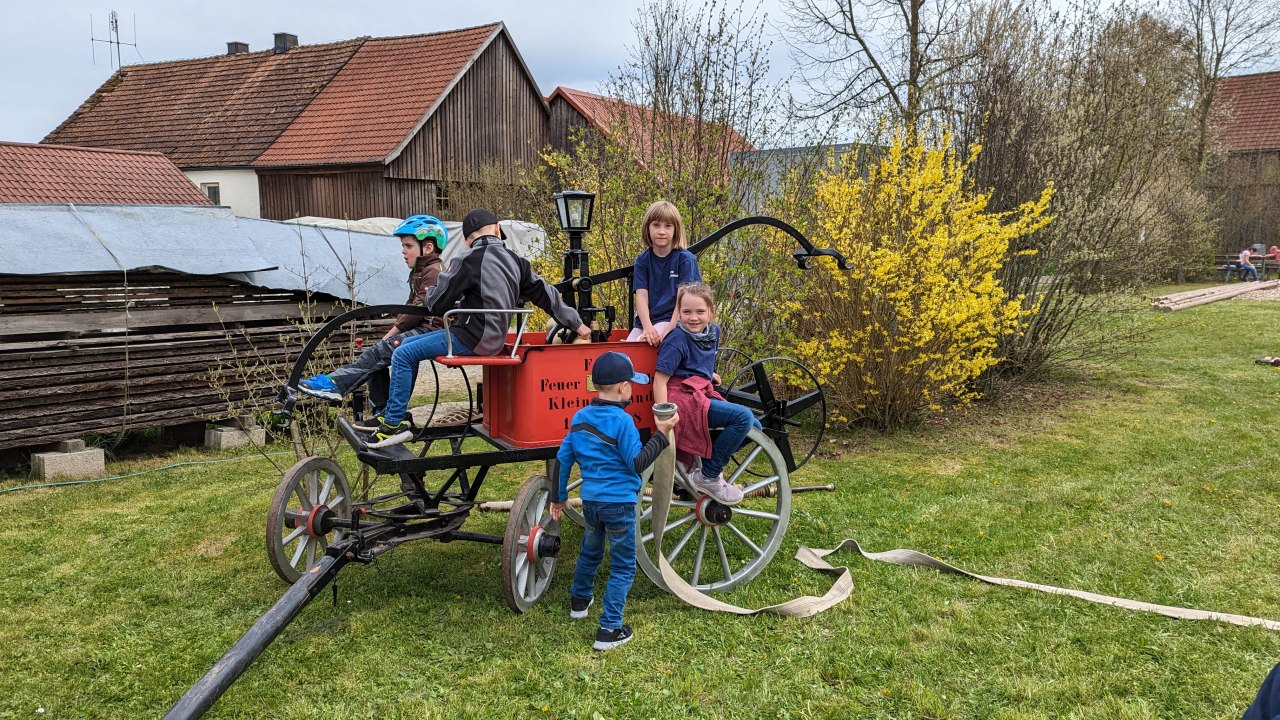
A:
(486, 275)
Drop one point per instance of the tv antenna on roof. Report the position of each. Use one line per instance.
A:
(113, 39)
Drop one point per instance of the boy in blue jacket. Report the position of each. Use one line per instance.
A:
(604, 442)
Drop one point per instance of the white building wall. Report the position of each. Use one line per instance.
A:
(238, 189)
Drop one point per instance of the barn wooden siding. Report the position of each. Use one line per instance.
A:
(73, 364)
(1249, 184)
(493, 114)
(352, 194)
(565, 119)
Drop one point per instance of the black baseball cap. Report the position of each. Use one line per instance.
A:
(614, 367)
(477, 219)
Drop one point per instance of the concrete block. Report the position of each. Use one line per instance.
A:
(225, 438)
(80, 464)
(244, 422)
(66, 446)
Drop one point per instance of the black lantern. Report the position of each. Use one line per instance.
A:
(574, 207)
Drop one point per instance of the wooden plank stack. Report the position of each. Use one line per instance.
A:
(97, 353)
(1204, 296)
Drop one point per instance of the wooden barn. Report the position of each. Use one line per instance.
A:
(361, 128)
(644, 129)
(1249, 180)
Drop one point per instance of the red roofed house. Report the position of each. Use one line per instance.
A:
(1251, 179)
(360, 128)
(91, 176)
(644, 126)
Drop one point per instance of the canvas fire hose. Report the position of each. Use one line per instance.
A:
(807, 605)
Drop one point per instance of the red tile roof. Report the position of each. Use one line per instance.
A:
(357, 101)
(1253, 104)
(221, 111)
(606, 113)
(60, 174)
(379, 99)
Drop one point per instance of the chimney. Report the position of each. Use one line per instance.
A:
(284, 41)
(236, 48)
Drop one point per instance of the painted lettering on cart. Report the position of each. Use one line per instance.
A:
(640, 402)
(548, 385)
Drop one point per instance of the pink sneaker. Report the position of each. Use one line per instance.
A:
(717, 488)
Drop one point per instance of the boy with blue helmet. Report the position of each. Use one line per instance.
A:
(422, 239)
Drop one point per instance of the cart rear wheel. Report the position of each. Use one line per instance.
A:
(530, 546)
(787, 399)
(312, 494)
(717, 550)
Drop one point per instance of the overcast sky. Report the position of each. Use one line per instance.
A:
(47, 69)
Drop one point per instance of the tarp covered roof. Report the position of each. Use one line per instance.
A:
(65, 239)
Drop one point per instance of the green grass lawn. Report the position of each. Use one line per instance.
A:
(1152, 478)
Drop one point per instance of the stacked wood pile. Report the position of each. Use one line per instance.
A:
(1204, 296)
(97, 353)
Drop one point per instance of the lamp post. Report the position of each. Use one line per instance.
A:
(573, 207)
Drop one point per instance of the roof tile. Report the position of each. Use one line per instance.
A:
(606, 113)
(220, 111)
(1253, 102)
(60, 174)
(377, 99)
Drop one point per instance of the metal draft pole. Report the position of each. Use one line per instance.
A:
(206, 692)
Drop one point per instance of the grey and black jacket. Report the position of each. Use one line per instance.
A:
(489, 276)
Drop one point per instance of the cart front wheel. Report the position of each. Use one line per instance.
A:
(311, 496)
(530, 546)
(712, 546)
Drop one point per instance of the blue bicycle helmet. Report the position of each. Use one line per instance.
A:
(425, 227)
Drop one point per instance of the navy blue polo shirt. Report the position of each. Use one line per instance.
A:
(661, 276)
(679, 355)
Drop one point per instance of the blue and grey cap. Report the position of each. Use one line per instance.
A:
(615, 367)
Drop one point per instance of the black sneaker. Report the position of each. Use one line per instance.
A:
(610, 639)
(388, 435)
(578, 607)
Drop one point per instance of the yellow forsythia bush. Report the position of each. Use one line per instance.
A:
(907, 330)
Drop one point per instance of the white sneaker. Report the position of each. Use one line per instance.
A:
(717, 488)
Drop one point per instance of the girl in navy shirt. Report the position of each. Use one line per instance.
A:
(662, 268)
(685, 375)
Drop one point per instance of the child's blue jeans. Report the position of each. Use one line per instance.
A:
(404, 369)
(615, 522)
(737, 421)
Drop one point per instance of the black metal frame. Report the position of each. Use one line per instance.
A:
(419, 516)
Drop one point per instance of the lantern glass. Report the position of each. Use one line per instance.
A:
(574, 208)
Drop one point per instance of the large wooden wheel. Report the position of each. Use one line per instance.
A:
(311, 494)
(530, 545)
(714, 547)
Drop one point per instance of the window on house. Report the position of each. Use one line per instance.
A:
(211, 190)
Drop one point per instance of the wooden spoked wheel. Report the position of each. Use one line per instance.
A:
(311, 494)
(530, 545)
(713, 549)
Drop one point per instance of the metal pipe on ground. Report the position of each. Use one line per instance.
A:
(201, 696)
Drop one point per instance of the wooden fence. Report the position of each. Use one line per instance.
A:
(98, 353)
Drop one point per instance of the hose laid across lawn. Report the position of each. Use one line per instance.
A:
(664, 481)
